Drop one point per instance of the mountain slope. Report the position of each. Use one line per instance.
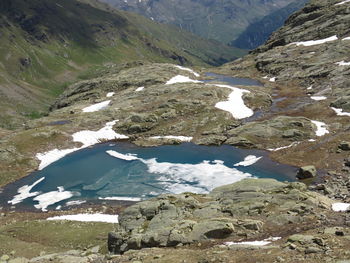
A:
(220, 20)
(257, 33)
(46, 44)
(308, 64)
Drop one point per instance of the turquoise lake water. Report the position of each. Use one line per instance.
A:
(92, 174)
(232, 80)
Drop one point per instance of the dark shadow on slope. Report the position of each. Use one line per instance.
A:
(257, 33)
(45, 19)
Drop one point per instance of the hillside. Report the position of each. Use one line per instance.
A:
(258, 32)
(45, 45)
(223, 21)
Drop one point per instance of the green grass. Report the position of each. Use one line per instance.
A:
(31, 237)
(66, 44)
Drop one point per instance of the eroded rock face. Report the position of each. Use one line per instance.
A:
(236, 210)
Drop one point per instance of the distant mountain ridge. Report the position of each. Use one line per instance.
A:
(45, 45)
(223, 20)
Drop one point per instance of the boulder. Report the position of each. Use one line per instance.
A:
(345, 146)
(306, 172)
(347, 162)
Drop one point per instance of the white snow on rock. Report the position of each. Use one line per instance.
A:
(340, 207)
(126, 157)
(51, 198)
(249, 160)
(321, 128)
(283, 147)
(24, 192)
(344, 2)
(343, 63)
(188, 69)
(254, 243)
(121, 198)
(346, 38)
(309, 88)
(318, 98)
(104, 218)
(97, 106)
(139, 89)
(110, 94)
(87, 138)
(315, 42)
(181, 79)
(179, 138)
(340, 112)
(235, 104)
(273, 79)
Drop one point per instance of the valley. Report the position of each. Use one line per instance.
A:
(169, 154)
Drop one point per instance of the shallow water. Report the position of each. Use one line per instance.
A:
(232, 80)
(91, 174)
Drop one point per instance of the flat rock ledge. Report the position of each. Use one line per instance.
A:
(235, 211)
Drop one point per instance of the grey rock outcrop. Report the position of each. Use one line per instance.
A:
(307, 172)
(236, 210)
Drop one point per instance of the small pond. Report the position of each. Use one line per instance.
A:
(124, 171)
(231, 80)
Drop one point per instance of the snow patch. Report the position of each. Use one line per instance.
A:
(235, 104)
(97, 106)
(87, 138)
(126, 157)
(24, 192)
(317, 98)
(51, 198)
(340, 112)
(88, 218)
(321, 128)
(181, 79)
(273, 79)
(249, 160)
(346, 38)
(254, 243)
(110, 94)
(179, 138)
(344, 2)
(198, 178)
(75, 202)
(340, 207)
(343, 63)
(139, 89)
(315, 42)
(52, 156)
(121, 198)
(188, 69)
(283, 147)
